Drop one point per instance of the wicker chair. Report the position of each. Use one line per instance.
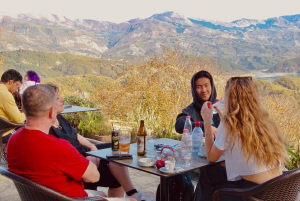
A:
(6, 125)
(31, 191)
(284, 187)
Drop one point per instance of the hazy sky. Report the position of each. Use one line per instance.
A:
(124, 10)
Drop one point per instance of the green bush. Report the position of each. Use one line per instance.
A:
(93, 122)
(294, 161)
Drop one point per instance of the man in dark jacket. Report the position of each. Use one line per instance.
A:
(203, 89)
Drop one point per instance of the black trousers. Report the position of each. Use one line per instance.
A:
(106, 177)
(213, 178)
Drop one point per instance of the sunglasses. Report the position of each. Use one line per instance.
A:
(241, 78)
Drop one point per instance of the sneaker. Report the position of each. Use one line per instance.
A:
(137, 196)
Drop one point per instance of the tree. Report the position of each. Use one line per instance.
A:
(155, 90)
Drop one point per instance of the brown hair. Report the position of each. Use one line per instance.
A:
(246, 119)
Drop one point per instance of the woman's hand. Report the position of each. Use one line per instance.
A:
(220, 111)
(207, 111)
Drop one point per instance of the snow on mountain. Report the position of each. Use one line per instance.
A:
(172, 17)
(245, 22)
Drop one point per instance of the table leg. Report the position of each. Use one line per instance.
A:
(164, 189)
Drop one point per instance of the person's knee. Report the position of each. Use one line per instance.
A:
(114, 166)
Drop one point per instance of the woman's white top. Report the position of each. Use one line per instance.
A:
(236, 163)
(25, 85)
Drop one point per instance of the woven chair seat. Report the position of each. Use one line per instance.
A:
(32, 191)
(285, 187)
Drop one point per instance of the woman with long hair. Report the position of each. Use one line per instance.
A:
(253, 146)
(31, 78)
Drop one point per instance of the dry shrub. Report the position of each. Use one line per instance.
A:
(155, 90)
(285, 112)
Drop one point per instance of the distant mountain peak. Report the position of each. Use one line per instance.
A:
(172, 16)
(244, 22)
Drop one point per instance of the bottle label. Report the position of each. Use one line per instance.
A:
(140, 144)
(115, 140)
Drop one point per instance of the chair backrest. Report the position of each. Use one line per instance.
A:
(283, 187)
(5, 126)
(32, 191)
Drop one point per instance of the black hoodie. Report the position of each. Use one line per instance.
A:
(194, 108)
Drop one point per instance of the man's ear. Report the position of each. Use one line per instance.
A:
(10, 82)
(52, 112)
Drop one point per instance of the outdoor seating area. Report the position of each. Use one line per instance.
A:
(72, 165)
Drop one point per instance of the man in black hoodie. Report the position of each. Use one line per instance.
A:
(203, 89)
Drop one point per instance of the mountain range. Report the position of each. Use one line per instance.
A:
(243, 44)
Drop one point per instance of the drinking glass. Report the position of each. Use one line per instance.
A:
(151, 153)
(124, 141)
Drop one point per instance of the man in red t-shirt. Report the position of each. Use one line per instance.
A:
(34, 154)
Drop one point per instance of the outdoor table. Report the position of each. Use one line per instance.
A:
(73, 108)
(196, 162)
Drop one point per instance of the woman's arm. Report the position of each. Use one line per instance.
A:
(83, 141)
(212, 152)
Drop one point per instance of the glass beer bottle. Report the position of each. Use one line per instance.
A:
(141, 139)
(115, 140)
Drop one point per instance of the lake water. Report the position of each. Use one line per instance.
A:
(270, 77)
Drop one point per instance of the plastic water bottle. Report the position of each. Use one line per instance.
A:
(197, 136)
(188, 124)
(186, 149)
(185, 140)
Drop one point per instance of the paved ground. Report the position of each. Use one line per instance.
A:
(145, 183)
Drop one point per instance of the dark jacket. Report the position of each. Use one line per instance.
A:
(68, 132)
(194, 108)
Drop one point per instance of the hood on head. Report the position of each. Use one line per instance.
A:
(197, 101)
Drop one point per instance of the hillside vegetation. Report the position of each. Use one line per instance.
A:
(286, 66)
(158, 89)
(55, 64)
(79, 85)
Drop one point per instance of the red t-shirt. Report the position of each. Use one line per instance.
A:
(47, 160)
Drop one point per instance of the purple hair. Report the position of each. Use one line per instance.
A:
(33, 76)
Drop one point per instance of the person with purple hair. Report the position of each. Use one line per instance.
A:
(31, 78)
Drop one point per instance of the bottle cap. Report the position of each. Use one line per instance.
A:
(197, 123)
(185, 130)
(188, 117)
(209, 104)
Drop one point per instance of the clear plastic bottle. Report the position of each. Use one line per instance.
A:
(185, 140)
(188, 124)
(185, 152)
(197, 137)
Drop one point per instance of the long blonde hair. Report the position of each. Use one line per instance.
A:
(246, 119)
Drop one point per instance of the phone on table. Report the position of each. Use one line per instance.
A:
(119, 156)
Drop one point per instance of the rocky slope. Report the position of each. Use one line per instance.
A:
(250, 43)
